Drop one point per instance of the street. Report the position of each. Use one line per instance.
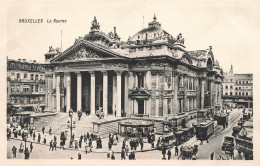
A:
(214, 145)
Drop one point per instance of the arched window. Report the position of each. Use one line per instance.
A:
(210, 64)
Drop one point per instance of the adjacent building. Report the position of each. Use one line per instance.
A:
(238, 89)
(25, 84)
(151, 74)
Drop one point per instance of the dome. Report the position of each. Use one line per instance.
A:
(153, 32)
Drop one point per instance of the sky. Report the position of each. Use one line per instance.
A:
(230, 27)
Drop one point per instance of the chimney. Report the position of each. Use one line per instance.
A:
(114, 30)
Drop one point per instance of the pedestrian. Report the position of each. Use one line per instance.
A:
(79, 156)
(113, 156)
(55, 138)
(51, 145)
(126, 150)
(80, 141)
(212, 156)
(26, 154)
(79, 114)
(31, 147)
(142, 145)
(14, 150)
(163, 152)
(86, 148)
(50, 130)
(232, 154)
(76, 145)
(169, 153)
(176, 151)
(34, 135)
(44, 139)
(43, 129)
(117, 139)
(109, 145)
(39, 138)
(55, 145)
(108, 155)
(123, 154)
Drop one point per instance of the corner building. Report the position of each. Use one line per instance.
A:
(152, 74)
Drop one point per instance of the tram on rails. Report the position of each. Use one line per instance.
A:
(204, 130)
(222, 119)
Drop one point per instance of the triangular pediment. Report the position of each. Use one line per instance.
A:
(85, 50)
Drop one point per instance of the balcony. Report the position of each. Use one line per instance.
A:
(25, 80)
(27, 93)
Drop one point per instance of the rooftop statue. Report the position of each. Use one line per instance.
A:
(95, 24)
(180, 39)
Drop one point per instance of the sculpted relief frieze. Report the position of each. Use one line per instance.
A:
(82, 53)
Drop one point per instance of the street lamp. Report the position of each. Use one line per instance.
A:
(71, 126)
(25, 138)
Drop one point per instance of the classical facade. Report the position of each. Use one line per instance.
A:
(25, 83)
(237, 89)
(150, 74)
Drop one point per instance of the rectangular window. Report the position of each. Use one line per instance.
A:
(236, 93)
(36, 77)
(18, 76)
(32, 76)
(32, 86)
(226, 93)
(36, 88)
(231, 87)
(25, 76)
(12, 88)
(231, 93)
(226, 87)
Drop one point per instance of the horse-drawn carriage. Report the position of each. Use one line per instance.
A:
(189, 152)
(166, 140)
(228, 144)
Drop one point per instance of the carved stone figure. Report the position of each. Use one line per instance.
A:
(95, 24)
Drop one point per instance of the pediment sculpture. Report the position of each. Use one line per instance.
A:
(83, 53)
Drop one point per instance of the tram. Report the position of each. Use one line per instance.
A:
(222, 119)
(204, 130)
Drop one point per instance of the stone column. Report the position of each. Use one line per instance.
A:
(202, 92)
(105, 92)
(114, 95)
(211, 93)
(92, 92)
(216, 93)
(118, 101)
(79, 91)
(175, 97)
(185, 100)
(58, 92)
(68, 84)
(126, 104)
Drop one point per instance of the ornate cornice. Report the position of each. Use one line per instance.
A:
(92, 73)
(49, 75)
(105, 73)
(118, 72)
(78, 73)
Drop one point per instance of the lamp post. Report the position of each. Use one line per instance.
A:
(25, 138)
(71, 126)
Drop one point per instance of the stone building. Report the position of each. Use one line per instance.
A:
(151, 74)
(25, 83)
(237, 89)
